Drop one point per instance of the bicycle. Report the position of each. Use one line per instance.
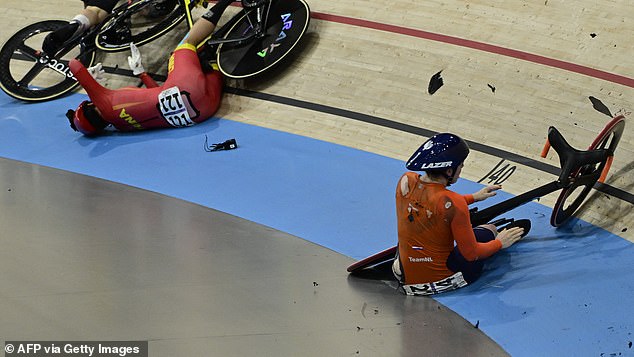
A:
(580, 171)
(252, 41)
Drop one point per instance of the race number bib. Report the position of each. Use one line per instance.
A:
(173, 109)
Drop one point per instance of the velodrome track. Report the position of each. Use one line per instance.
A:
(566, 290)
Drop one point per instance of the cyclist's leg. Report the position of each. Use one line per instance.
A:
(471, 270)
(93, 13)
(204, 26)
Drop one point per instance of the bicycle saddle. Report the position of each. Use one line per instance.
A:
(249, 4)
(570, 158)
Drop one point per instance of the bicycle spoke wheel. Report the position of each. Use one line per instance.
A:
(26, 75)
(287, 22)
(140, 23)
(571, 198)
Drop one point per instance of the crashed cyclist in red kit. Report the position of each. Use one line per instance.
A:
(190, 94)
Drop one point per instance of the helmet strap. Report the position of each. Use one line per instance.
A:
(449, 177)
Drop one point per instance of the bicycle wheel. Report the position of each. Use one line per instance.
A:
(27, 75)
(577, 192)
(137, 23)
(287, 22)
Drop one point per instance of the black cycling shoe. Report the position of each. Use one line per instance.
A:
(250, 4)
(160, 8)
(54, 41)
(522, 223)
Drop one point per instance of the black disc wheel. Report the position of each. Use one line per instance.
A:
(287, 22)
(26, 73)
(584, 178)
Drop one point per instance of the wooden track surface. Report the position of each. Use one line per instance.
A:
(384, 74)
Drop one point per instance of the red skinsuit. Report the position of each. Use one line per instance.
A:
(131, 108)
(430, 218)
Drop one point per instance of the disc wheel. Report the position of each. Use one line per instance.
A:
(29, 75)
(287, 22)
(571, 197)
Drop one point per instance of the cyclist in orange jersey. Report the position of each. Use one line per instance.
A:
(438, 250)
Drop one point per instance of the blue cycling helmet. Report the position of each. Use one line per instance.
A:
(439, 153)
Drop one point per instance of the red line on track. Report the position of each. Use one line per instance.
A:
(591, 72)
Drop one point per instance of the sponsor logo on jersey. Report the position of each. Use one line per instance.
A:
(128, 118)
(420, 260)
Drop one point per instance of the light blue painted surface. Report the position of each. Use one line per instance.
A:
(557, 293)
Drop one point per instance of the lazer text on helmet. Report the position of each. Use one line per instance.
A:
(436, 165)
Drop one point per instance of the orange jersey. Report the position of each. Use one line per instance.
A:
(430, 218)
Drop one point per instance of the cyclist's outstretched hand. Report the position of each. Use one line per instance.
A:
(97, 72)
(486, 192)
(134, 60)
(509, 236)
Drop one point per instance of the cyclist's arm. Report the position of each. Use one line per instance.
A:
(84, 78)
(465, 237)
(200, 31)
(147, 80)
(205, 26)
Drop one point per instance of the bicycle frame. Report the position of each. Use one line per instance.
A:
(261, 17)
(125, 11)
(88, 42)
(487, 214)
(574, 172)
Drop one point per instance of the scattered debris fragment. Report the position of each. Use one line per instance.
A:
(600, 107)
(593, 35)
(315, 283)
(435, 83)
(624, 230)
(492, 87)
